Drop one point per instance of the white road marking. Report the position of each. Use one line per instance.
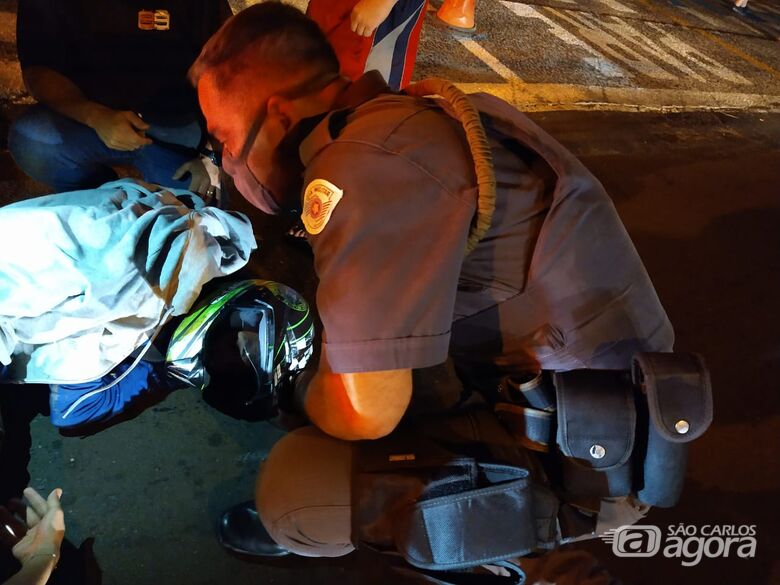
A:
(631, 48)
(643, 42)
(655, 56)
(628, 56)
(488, 59)
(695, 56)
(598, 61)
(615, 5)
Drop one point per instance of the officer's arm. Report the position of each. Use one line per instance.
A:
(359, 406)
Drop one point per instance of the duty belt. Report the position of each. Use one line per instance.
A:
(611, 425)
(457, 492)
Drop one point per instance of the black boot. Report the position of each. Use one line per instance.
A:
(241, 531)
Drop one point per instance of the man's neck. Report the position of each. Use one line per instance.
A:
(324, 101)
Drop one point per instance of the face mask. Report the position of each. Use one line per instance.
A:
(244, 179)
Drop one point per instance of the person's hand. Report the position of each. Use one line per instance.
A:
(44, 531)
(367, 15)
(200, 180)
(119, 130)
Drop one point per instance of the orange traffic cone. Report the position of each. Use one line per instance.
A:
(458, 15)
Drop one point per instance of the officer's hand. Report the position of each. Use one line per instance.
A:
(367, 15)
(200, 181)
(120, 130)
(44, 531)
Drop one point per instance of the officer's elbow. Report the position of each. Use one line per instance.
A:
(363, 428)
(361, 406)
(354, 427)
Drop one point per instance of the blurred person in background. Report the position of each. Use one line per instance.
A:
(109, 77)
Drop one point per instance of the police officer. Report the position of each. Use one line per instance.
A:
(391, 199)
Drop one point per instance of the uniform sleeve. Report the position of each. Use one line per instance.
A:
(40, 35)
(388, 260)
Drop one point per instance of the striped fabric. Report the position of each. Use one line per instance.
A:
(392, 50)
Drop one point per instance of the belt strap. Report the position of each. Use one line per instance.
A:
(474, 527)
(531, 391)
(532, 428)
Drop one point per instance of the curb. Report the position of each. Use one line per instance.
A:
(540, 97)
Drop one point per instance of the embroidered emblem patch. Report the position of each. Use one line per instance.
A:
(319, 201)
(154, 20)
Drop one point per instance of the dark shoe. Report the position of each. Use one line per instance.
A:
(241, 531)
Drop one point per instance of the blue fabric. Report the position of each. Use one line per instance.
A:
(69, 156)
(105, 404)
(400, 55)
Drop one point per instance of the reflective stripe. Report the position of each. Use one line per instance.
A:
(194, 325)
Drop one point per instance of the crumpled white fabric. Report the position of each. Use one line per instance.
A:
(86, 276)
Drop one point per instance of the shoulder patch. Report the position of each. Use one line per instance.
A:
(319, 201)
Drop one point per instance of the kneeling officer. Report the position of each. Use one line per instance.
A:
(451, 227)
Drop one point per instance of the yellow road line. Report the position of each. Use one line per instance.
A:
(539, 97)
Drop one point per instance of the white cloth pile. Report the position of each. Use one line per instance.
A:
(87, 276)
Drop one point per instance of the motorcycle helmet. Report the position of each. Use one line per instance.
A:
(241, 343)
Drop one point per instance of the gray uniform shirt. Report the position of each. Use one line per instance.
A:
(556, 283)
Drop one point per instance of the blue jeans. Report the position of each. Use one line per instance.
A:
(69, 156)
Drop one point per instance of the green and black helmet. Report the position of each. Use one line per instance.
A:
(245, 340)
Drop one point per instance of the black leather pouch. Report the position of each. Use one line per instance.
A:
(596, 430)
(677, 410)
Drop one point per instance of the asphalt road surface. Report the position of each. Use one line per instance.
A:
(698, 190)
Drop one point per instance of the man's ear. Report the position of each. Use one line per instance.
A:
(280, 110)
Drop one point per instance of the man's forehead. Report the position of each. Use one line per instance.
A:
(240, 89)
(208, 89)
(220, 107)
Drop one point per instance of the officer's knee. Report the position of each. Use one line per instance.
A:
(303, 494)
